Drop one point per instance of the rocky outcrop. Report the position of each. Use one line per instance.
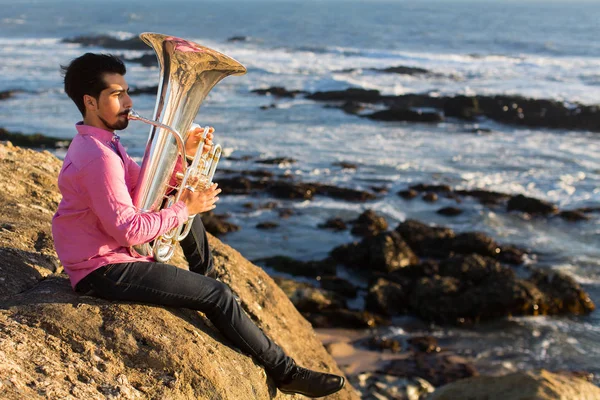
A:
(109, 42)
(539, 385)
(36, 140)
(56, 344)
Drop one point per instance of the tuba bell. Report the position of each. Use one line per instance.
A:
(188, 72)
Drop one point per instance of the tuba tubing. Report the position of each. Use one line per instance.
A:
(188, 71)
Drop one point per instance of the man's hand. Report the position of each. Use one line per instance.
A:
(201, 200)
(195, 137)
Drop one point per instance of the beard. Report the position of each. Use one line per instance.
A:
(119, 125)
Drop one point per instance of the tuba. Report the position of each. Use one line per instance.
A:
(188, 72)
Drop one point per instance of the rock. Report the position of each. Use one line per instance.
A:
(108, 42)
(530, 205)
(384, 252)
(6, 94)
(430, 197)
(473, 242)
(437, 368)
(400, 114)
(345, 165)
(378, 386)
(381, 343)
(573, 216)
(238, 39)
(299, 268)
(289, 190)
(563, 294)
(425, 240)
(338, 285)
(267, 225)
(462, 107)
(146, 60)
(309, 299)
(336, 224)
(215, 224)
(369, 224)
(425, 344)
(485, 197)
(343, 318)
(278, 91)
(357, 95)
(404, 70)
(423, 187)
(241, 185)
(387, 298)
(408, 194)
(352, 107)
(56, 343)
(276, 161)
(449, 211)
(344, 193)
(539, 385)
(152, 90)
(35, 140)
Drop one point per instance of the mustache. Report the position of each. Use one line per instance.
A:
(125, 113)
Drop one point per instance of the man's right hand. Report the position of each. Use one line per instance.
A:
(201, 201)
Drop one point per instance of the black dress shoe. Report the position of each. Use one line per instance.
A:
(311, 383)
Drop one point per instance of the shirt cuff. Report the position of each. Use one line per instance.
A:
(181, 211)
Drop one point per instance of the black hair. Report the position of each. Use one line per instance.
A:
(85, 75)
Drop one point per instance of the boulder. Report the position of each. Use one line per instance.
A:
(55, 343)
(216, 224)
(539, 385)
(369, 224)
(384, 252)
(109, 42)
(530, 205)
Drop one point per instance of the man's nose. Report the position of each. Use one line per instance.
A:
(128, 102)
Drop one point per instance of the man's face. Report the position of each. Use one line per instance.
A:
(114, 103)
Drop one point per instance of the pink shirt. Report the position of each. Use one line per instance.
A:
(96, 220)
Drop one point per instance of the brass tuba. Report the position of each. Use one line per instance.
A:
(188, 72)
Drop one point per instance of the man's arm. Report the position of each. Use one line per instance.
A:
(104, 181)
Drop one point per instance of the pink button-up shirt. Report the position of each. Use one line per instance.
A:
(96, 220)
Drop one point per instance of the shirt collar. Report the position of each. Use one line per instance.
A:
(101, 134)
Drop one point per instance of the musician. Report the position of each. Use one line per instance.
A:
(96, 223)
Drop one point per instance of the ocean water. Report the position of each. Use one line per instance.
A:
(538, 49)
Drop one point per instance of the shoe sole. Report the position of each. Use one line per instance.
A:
(323, 395)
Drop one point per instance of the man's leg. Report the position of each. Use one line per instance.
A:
(196, 249)
(164, 284)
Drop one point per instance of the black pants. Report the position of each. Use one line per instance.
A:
(167, 285)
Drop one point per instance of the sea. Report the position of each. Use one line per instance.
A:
(538, 49)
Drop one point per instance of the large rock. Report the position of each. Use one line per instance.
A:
(56, 344)
(538, 385)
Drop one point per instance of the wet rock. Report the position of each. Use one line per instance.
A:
(473, 242)
(387, 298)
(289, 190)
(563, 294)
(278, 91)
(573, 216)
(424, 187)
(408, 194)
(381, 343)
(270, 106)
(267, 225)
(6, 94)
(286, 213)
(511, 255)
(152, 90)
(336, 224)
(530, 205)
(345, 193)
(358, 95)
(425, 240)
(404, 70)
(427, 268)
(449, 211)
(216, 224)
(425, 344)
(377, 386)
(299, 268)
(430, 197)
(485, 197)
(338, 285)
(108, 42)
(462, 107)
(384, 252)
(345, 165)
(35, 140)
(369, 224)
(241, 185)
(238, 39)
(399, 114)
(352, 107)
(539, 385)
(146, 60)
(276, 161)
(437, 368)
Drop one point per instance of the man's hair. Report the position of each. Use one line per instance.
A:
(85, 75)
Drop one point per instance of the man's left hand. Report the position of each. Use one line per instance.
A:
(194, 139)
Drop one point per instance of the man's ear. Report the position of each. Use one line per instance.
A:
(90, 102)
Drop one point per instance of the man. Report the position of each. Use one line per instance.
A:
(96, 223)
